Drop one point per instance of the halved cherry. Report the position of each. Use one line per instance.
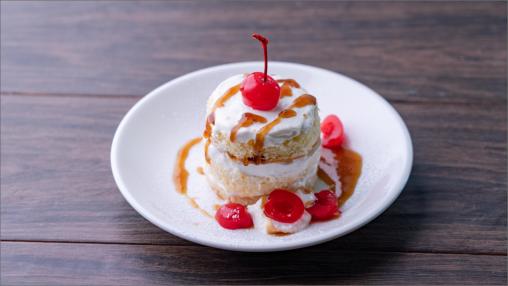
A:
(284, 206)
(233, 216)
(325, 207)
(333, 132)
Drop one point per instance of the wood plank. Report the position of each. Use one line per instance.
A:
(434, 52)
(97, 264)
(57, 184)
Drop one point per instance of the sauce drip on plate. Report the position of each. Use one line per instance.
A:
(181, 175)
(349, 168)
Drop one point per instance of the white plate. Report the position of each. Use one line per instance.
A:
(148, 138)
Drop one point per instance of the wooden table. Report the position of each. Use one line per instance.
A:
(70, 71)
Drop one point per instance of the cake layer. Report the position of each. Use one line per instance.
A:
(289, 131)
(245, 183)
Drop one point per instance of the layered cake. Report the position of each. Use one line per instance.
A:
(251, 152)
(267, 156)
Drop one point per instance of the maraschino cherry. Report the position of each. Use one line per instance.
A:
(233, 216)
(284, 206)
(259, 90)
(333, 132)
(325, 207)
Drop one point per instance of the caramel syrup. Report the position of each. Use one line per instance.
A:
(287, 84)
(290, 82)
(285, 90)
(200, 170)
(260, 135)
(303, 100)
(225, 97)
(299, 102)
(207, 145)
(247, 120)
(349, 170)
(180, 174)
(210, 120)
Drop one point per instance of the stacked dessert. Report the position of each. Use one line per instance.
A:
(263, 149)
(263, 155)
(250, 151)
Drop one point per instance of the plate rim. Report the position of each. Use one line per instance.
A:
(372, 214)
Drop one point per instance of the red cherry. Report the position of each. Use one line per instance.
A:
(333, 132)
(284, 206)
(258, 93)
(233, 216)
(259, 90)
(325, 207)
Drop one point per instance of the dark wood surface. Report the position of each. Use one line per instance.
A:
(70, 71)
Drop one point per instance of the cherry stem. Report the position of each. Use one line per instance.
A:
(264, 43)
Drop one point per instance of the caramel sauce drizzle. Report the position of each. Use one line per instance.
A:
(349, 170)
(207, 144)
(180, 174)
(225, 97)
(303, 100)
(210, 119)
(285, 90)
(287, 84)
(290, 82)
(260, 135)
(247, 120)
(200, 170)
(299, 102)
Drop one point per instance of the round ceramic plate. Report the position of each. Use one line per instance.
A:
(146, 142)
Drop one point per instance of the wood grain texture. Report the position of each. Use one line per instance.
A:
(97, 264)
(57, 183)
(434, 52)
(69, 71)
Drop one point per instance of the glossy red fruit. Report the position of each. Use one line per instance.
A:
(333, 132)
(233, 216)
(258, 93)
(259, 90)
(284, 206)
(325, 207)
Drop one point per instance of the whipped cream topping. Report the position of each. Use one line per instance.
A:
(230, 114)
